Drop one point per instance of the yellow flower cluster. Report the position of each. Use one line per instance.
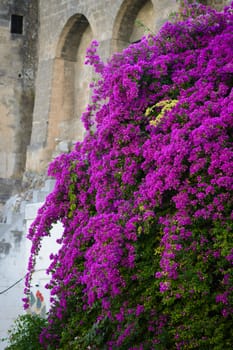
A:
(166, 105)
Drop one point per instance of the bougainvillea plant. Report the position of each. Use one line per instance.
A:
(145, 259)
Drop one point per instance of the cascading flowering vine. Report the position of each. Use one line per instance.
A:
(145, 260)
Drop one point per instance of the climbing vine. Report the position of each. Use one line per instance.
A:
(145, 260)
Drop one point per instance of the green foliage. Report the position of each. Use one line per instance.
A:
(146, 200)
(24, 334)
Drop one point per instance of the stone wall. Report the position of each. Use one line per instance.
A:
(66, 30)
(217, 4)
(18, 43)
(10, 92)
(43, 92)
(43, 80)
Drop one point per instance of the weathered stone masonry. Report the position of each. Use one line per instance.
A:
(17, 77)
(43, 80)
(43, 92)
(66, 30)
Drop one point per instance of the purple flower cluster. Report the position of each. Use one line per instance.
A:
(130, 175)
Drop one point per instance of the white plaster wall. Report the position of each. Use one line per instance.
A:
(13, 267)
(49, 245)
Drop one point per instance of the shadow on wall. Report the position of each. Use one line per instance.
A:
(135, 19)
(70, 83)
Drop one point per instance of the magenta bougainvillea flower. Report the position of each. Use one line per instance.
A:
(145, 260)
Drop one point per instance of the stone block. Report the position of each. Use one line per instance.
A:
(3, 229)
(49, 185)
(63, 147)
(38, 196)
(31, 210)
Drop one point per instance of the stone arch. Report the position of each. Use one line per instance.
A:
(70, 82)
(134, 19)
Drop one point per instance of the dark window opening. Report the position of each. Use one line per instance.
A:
(16, 24)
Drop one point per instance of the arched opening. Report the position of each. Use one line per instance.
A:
(144, 22)
(71, 78)
(135, 19)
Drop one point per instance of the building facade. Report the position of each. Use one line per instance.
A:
(43, 79)
(44, 89)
